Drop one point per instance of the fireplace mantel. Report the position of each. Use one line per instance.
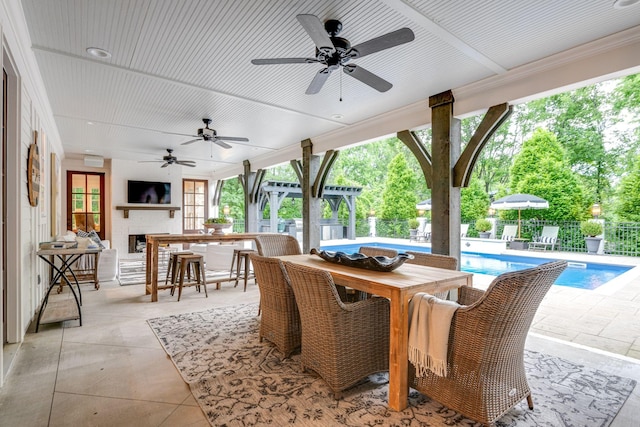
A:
(126, 209)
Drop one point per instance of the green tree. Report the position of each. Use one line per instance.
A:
(584, 122)
(540, 169)
(626, 95)
(399, 200)
(233, 196)
(628, 207)
(366, 166)
(474, 202)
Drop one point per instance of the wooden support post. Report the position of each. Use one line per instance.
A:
(251, 182)
(445, 199)
(311, 204)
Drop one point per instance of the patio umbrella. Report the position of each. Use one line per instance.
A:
(424, 205)
(519, 202)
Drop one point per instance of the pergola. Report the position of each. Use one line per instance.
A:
(275, 192)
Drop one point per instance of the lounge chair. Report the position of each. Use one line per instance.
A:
(425, 232)
(485, 372)
(464, 228)
(509, 233)
(547, 239)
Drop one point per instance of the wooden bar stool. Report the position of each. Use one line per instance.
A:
(242, 263)
(200, 277)
(172, 267)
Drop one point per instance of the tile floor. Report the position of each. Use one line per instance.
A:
(113, 372)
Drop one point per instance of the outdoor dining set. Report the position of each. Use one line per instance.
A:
(348, 323)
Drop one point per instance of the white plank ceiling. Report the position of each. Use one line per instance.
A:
(176, 62)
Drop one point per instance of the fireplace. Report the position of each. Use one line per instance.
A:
(138, 242)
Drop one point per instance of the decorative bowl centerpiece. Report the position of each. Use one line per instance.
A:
(358, 260)
(217, 224)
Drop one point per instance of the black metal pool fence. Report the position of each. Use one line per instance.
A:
(621, 238)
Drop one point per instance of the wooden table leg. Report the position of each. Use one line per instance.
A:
(147, 287)
(154, 271)
(398, 352)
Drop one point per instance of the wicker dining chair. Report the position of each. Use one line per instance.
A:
(439, 261)
(277, 245)
(279, 321)
(485, 369)
(343, 343)
(433, 260)
(377, 251)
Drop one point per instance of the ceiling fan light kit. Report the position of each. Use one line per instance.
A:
(334, 52)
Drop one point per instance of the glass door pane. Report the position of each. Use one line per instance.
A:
(194, 205)
(85, 204)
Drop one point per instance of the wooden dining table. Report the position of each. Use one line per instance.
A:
(155, 240)
(398, 286)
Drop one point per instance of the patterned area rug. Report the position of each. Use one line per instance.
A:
(237, 380)
(133, 272)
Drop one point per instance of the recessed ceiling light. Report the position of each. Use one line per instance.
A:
(337, 116)
(622, 4)
(89, 123)
(98, 52)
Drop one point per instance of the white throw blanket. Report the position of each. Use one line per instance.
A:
(429, 325)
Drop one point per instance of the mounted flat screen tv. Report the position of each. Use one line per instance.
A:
(149, 192)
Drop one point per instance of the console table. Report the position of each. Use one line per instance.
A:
(62, 310)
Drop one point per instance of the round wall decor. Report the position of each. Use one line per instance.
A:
(33, 172)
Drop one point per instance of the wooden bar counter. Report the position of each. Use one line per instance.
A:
(155, 240)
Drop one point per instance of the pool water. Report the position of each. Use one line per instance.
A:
(578, 274)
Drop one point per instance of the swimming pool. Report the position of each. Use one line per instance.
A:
(578, 274)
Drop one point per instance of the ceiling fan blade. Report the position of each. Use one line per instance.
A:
(394, 38)
(221, 143)
(165, 165)
(192, 141)
(367, 77)
(189, 163)
(318, 81)
(233, 138)
(272, 61)
(315, 28)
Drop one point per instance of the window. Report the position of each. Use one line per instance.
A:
(194, 204)
(85, 202)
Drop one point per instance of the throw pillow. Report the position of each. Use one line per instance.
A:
(93, 235)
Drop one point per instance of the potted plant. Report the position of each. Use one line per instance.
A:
(413, 228)
(217, 224)
(591, 229)
(484, 226)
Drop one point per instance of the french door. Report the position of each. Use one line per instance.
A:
(194, 204)
(85, 202)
